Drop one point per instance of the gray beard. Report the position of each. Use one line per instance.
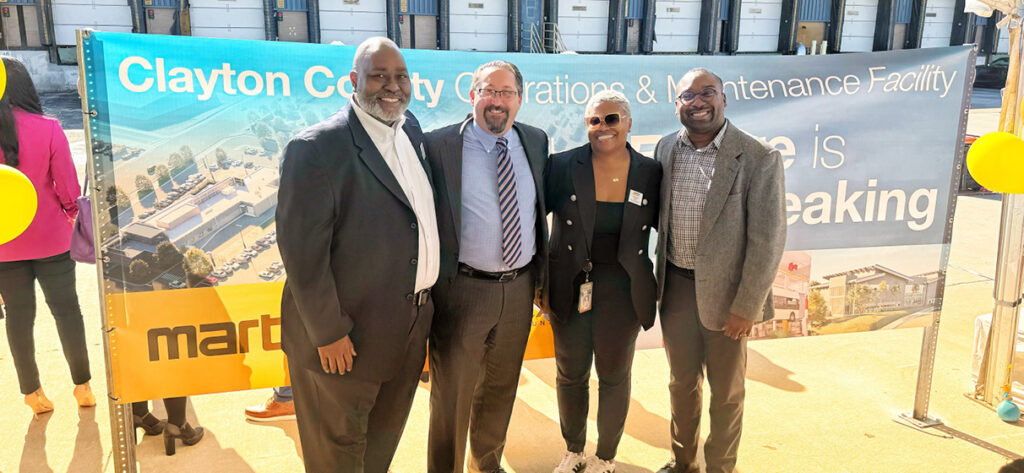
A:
(370, 106)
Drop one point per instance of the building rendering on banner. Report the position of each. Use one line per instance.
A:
(584, 26)
(876, 288)
(789, 298)
(196, 219)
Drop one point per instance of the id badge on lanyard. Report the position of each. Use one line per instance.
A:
(586, 290)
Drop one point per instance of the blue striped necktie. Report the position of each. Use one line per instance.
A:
(508, 202)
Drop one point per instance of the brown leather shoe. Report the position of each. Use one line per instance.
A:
(271, 411)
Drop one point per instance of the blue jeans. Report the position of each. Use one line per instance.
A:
(283, 394)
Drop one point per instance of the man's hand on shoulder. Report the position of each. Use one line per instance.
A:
(737, 327)
(338, 357)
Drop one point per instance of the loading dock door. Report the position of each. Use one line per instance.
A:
(352, 21)
(19, 25)
(292, 21)
(938, 23)
(531, 25)
(584, 24)
(237, 19)
(676, 26)
(813, 22)
(759, 25)
(100, 15)
(859, 26)
(419, 24)
(479, 25)
(899, 35)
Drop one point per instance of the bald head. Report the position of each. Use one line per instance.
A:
(691, 74)
(380, 79)
(367, 49)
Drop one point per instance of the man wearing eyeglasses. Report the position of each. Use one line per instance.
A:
(723, 232)
(490, 209)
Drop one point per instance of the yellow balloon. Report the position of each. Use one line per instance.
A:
(3, 79)
(19, 203)
(996, 161)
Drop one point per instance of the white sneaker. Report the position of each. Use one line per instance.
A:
(572, 462)
(597, 465)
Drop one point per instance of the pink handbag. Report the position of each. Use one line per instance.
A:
(82, 248)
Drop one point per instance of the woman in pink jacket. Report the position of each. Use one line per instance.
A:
(35, 144)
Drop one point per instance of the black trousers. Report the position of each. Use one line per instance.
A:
(604, 336)
(56, 275)
(350, 425)
(476, 351)
(175, 407)
(692, 350)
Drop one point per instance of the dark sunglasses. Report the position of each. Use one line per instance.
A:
(611, 119)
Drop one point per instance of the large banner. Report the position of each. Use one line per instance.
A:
(187, 135)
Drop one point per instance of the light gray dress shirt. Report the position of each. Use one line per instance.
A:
(480, 246)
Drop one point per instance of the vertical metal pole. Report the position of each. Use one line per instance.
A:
(1003, 329)
(929, 341)
(1002, 339)
(122, 431)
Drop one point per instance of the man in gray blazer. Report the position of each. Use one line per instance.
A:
(488, 173)
(721, 237)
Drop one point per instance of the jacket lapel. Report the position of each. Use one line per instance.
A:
(412, 130)
(372, 159)
(536, 159)
(665, 158)
(452, 164)
(583, 183)
(726, 168)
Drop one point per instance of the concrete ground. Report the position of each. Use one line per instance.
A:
(819, 404)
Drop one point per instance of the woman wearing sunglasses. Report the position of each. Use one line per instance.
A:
(604, 196)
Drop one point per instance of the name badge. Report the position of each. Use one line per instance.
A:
(586, 297)
(636, 198)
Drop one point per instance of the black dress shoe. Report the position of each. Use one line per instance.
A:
(149, 423)
(187, 434)
(669, 467)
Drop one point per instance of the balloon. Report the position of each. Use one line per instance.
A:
(996, 161)
(17, 203)
(1008, 411)
(3, 79)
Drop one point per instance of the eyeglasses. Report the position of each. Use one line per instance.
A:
(500, 94)
(705, 95)
(611, 119)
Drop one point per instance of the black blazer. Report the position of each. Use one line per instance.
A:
(444, 151)
(349, 243)
(569, 183)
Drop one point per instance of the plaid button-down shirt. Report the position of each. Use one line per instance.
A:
(692, 170)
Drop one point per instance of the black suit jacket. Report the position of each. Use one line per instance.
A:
(570, 194)
(444, 151)
(349, 243)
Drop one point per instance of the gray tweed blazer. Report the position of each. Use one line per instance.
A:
(742, 230)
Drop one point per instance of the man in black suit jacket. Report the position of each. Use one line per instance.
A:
(358, 235)
(488, 174)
